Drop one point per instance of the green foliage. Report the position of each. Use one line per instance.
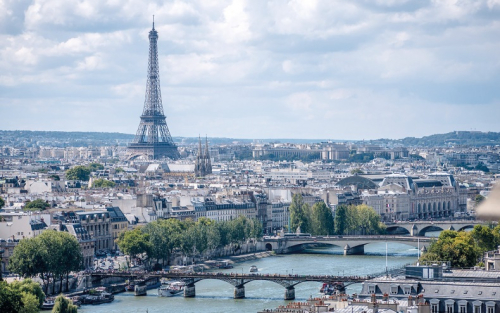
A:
(36, 205)
(158, 240)
(360, 219)
(459, 248)
(2, 202)
(103, 183)
(30, 303)
(51, 254)
(95, 167)
(28, 286)
(63, 305)
(119, 170)
(55, 177)
(10, 300)
(417, 157)
(79, 172)
(322, 219)
(20, 296)
(484, 238)
(478, 199)
(300, 214)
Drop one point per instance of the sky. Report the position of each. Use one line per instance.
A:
(329, 69)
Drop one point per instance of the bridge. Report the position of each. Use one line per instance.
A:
(239, 281)
(353, 245)
(419, 228)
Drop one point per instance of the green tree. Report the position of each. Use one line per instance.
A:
(134, 242)
(459, 248)
(30, 303)
(2, 202)
(63, 305)
(484, 238)
(356, 171)
(322, 219)
(10, 300)
(119, 170)
(340, 220)
(55, 177)
(36, 205)
(103, 183)
(478, 199)
(300, 215)
(28, 286)
(95, 167)
(79, 172)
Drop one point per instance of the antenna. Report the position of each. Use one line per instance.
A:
(153, 22)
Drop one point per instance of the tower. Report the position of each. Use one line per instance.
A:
(153, 139)
(203, 165)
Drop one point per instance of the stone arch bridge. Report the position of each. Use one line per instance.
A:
(353, 245)
(419, 228)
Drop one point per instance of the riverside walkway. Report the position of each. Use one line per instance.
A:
(238, 280)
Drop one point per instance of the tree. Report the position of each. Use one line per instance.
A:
(300, 214)
(28, 286)
(484, 238)
(356, 171)
(478, 199)
(134, 242)
(103, 183)
(63, 305)
(79, 172)
(119, 170)
(322, 219)
(36, 205)
(55, 177)
(459, 248)
(10, 301)
(340, 220)
(30, 303)
(2, 202)
(95, 167)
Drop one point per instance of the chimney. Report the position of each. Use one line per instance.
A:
(373, 298)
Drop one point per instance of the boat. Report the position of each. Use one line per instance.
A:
(171, 289)
(141, 290)
(253, 269)
(130, 286)
(48, 304)
(224, 264)
(98, 298)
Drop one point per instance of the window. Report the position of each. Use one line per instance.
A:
(371, 289)
(407, 290)
(449, 308)
(490, 309)
(394, 290)
(462, 308)
(477, 309)
(434, 308)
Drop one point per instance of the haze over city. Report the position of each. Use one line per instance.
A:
(254, 69)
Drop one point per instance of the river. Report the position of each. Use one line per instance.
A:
(213, 296)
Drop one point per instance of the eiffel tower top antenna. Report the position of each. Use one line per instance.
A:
(153, 22)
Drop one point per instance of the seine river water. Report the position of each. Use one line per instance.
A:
(213, 296)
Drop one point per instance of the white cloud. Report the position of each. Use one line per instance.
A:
(245, 68)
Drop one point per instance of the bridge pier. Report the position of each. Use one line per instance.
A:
(239, 292)
(189, 291)
(358, 250)
(290, 293)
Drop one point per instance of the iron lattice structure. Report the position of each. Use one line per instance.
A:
(153, 139)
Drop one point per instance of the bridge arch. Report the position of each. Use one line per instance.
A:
(397, 230)
(269, 247)
(464, 227)
(426, 229)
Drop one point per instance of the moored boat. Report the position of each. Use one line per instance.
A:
(141, 290)
(171, 289)
(253, 269)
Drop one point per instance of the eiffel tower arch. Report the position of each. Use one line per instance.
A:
(153, 140)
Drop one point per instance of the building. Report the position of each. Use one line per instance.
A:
(119, 223)
(203, 165)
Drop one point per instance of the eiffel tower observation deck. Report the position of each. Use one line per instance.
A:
(153, 140)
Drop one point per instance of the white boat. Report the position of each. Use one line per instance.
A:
(253, 269)
(171, 289)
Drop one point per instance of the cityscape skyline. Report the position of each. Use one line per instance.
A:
(240, 69)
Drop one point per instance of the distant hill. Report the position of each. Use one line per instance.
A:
(457, 138)
(462, 138)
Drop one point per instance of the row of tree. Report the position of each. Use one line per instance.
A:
(52, 256)
(463, 249)
(319, 220)
(160, 239)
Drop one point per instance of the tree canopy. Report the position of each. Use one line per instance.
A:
(360, 219)
(2, 202)
(51, 254)
(322, 219)
(78, 172)
(63, 305)
(103, 183)
(300, 214)
(20, 296)
(36, 205)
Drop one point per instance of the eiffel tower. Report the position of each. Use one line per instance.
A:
(153, 139)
